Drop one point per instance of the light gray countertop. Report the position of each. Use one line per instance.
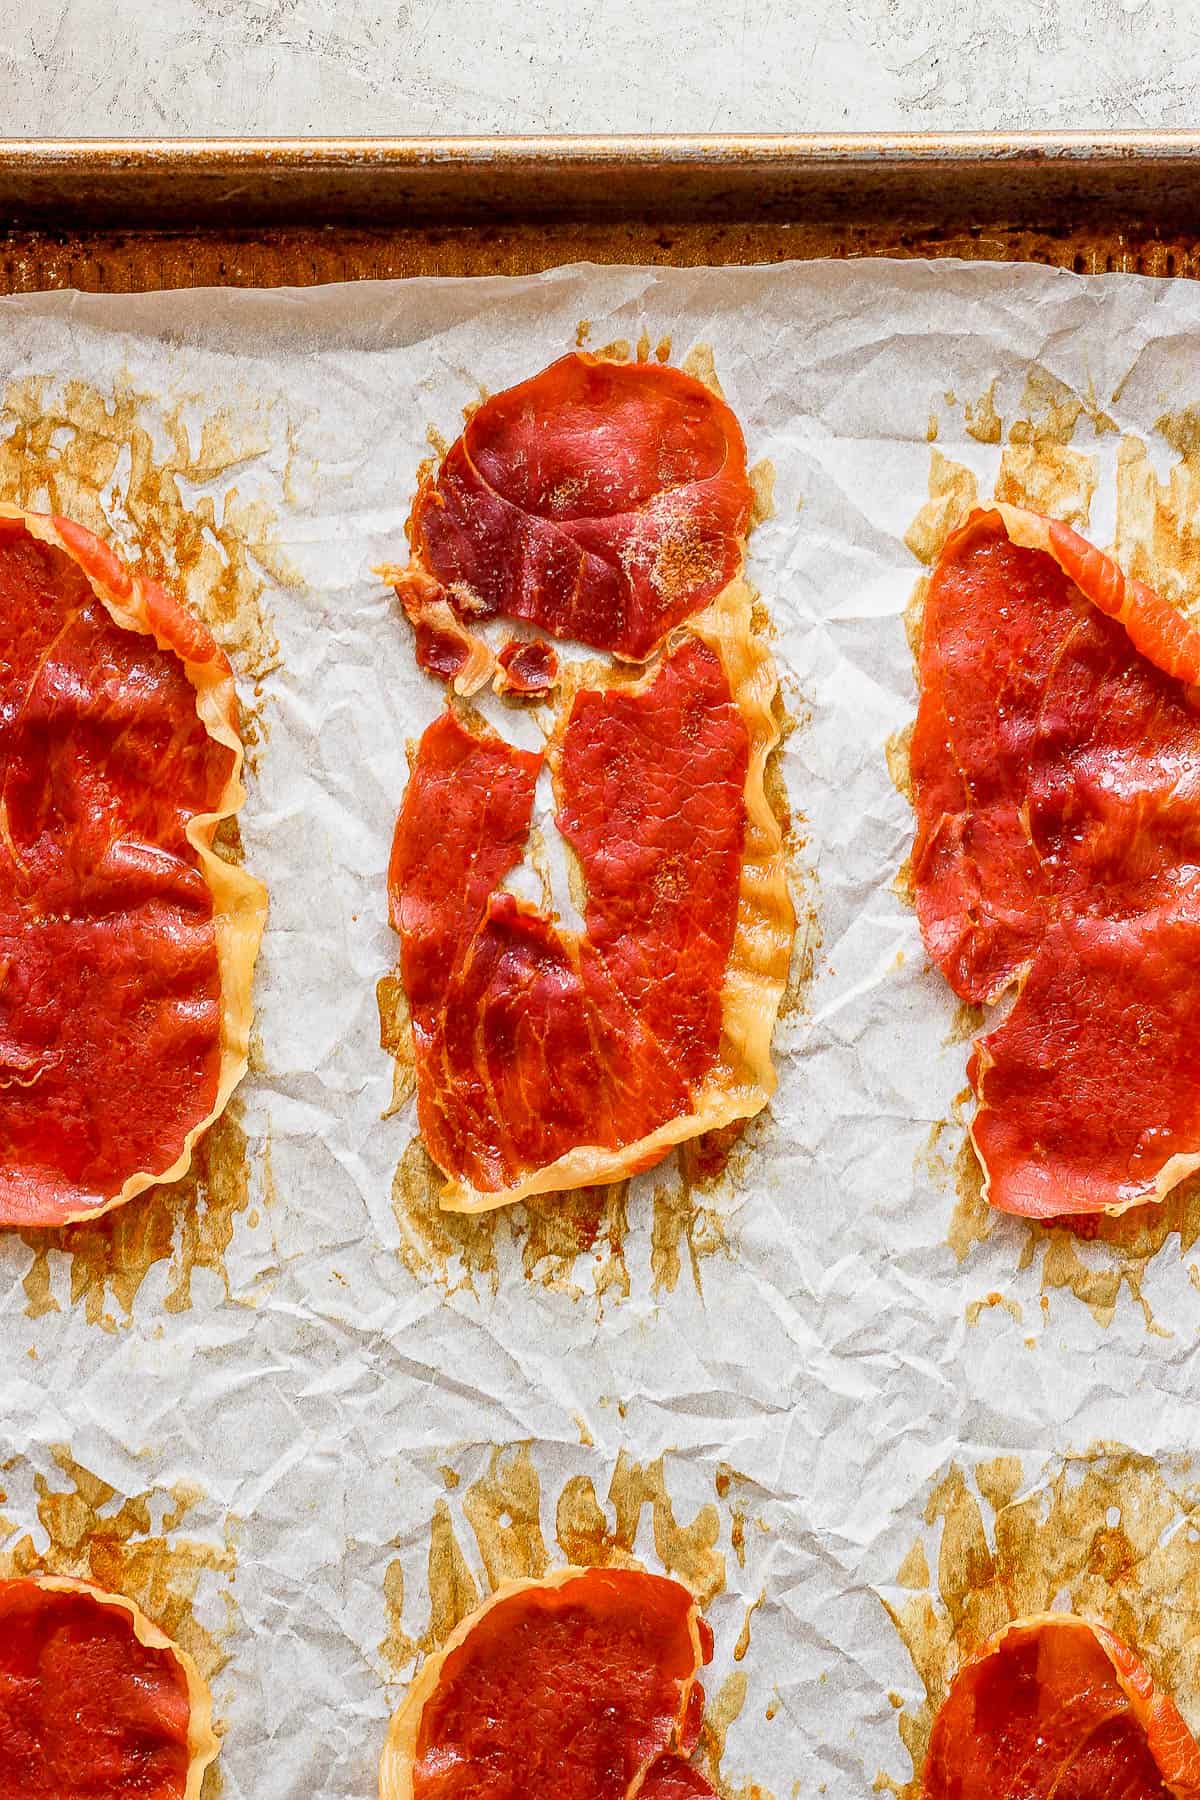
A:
(191, 67)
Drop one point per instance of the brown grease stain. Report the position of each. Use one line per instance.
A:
(1157, 533)
(1110, 1535)
(97, 1535)
(188, 1223)
(502, 1508)
(953, 494)
(720, 1714)
(982, 420)
(701, 365)
(395, 1039)
(1039, 468)
(977, 1308)
(762, 485)
(65, 444)
(1119, 1250)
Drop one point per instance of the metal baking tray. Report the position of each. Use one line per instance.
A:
(122, 215)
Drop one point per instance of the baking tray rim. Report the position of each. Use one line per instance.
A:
(1085, 147)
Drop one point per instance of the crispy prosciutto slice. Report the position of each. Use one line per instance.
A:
(126, 944)
(1053, 1708)
(1056, 774)
(600, 501)
(547, 1058)
(581, 1686)
(95, 1700)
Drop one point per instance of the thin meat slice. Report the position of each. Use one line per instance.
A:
(580, 1686)
(600, 501)
(533, 1041)
(127, 944)
(1089, 1092)
(1054, 1708)
(1056, 774)
(95, 1700)
(548, 1058)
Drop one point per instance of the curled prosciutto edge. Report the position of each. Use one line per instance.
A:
(583, 1685)
(1053, 1707)
(1056, 780)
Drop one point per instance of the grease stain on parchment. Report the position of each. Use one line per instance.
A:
(502, 1508)
(1110, 1535)
(96, 1534)
(66, 447)
(1157, 540)
(1092, 1259)
(187, 1224)
(1040, 467)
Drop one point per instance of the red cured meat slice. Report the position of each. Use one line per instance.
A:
(1053, 1708)
(126, 945)
(1056, 773)
(95, 1700)
(533, 1042)
(575, 1687)
(601, 501)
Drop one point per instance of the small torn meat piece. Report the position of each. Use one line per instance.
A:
(526, 668)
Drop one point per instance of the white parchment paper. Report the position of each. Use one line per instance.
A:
(827, 1356)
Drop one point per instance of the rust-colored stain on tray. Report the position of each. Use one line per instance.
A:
(304, 256)
(122, 217)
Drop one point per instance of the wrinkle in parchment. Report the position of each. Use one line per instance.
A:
(187, 1224)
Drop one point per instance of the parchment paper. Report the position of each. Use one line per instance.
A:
(321, 1384)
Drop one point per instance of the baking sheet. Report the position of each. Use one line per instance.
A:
(286, 1405)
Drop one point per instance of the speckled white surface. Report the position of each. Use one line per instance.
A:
(197, 66)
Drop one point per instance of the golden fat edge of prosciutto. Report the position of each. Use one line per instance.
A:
(203, 1744)
(744, 1078)
(239, 899)
(400, 1750)
(1149, 1706)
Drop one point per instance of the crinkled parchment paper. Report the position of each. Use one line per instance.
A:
(287, 1406)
